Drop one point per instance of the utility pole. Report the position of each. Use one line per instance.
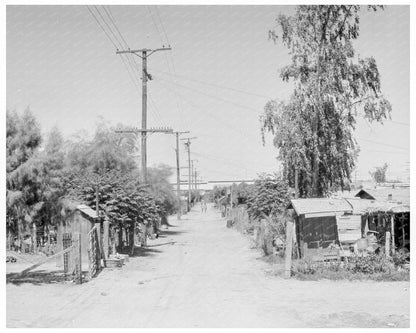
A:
(188, 147)
(192, 174)
(145, 53)
(178, 175)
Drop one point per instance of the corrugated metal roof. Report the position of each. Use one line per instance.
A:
(320, 205)
(88, 211)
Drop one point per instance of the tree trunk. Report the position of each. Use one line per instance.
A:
(132, 238)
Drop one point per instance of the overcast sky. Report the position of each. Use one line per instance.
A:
(215, 82)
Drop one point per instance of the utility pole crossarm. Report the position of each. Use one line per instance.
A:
(136, 130)
(151, 51)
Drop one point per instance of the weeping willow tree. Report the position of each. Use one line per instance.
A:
(314, 129)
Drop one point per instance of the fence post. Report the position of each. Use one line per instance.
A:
(393, 243)
(106, 237)
(79, 259)
(388, 243)
(288, 250)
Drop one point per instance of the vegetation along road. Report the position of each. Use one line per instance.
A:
(201, 274)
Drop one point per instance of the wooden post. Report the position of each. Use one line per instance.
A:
(106, 226)
(393, 243)
(100, 249)
(59, 244)
(387, 244)
(288, 251)
(178, 177)
(79, 259)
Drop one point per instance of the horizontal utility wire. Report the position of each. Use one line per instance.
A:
(236, 165)
(381, 143)
(216, 85)
(208, 114)
(211, 96)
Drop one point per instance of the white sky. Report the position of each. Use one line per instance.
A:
(61, 64)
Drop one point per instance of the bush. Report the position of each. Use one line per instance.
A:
(372, 267)
(370, 264)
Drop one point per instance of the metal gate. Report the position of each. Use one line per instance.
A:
(67, 242)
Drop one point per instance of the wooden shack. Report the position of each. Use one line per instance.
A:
(328, 223)
(78, 221)
(316, 222)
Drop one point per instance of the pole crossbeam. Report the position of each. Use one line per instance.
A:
(142, 130)
(151, 51)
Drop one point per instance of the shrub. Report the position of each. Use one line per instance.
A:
(372, 267)
(370, 264)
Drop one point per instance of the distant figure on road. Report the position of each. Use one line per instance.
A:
(203, 206)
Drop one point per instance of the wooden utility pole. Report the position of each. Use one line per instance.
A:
(188, 147)
(145, 53)
(178, 174)
(196, 187)
(192, 175)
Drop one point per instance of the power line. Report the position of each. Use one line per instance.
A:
(398, 122)
(208, 113)
(161, 23)
(170, 66)
(111, 17)
(382, 144)
(102, 28)
(154, 23)
(109, 28)
(216, 85)
(211, 96)
(210, 157)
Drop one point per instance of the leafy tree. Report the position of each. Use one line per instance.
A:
(314, 129)
(218, 192)
(241, 193)
(379, 175)
(23, 181)
(268, 197)
(158, 178)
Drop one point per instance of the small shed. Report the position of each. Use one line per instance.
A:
(396, 194)
(316, 221)
(79, 221)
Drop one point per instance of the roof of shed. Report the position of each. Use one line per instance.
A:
(400, 195)
(363, 206)
(87, 211)
(320, 205)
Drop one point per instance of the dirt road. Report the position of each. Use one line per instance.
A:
(201, 274)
